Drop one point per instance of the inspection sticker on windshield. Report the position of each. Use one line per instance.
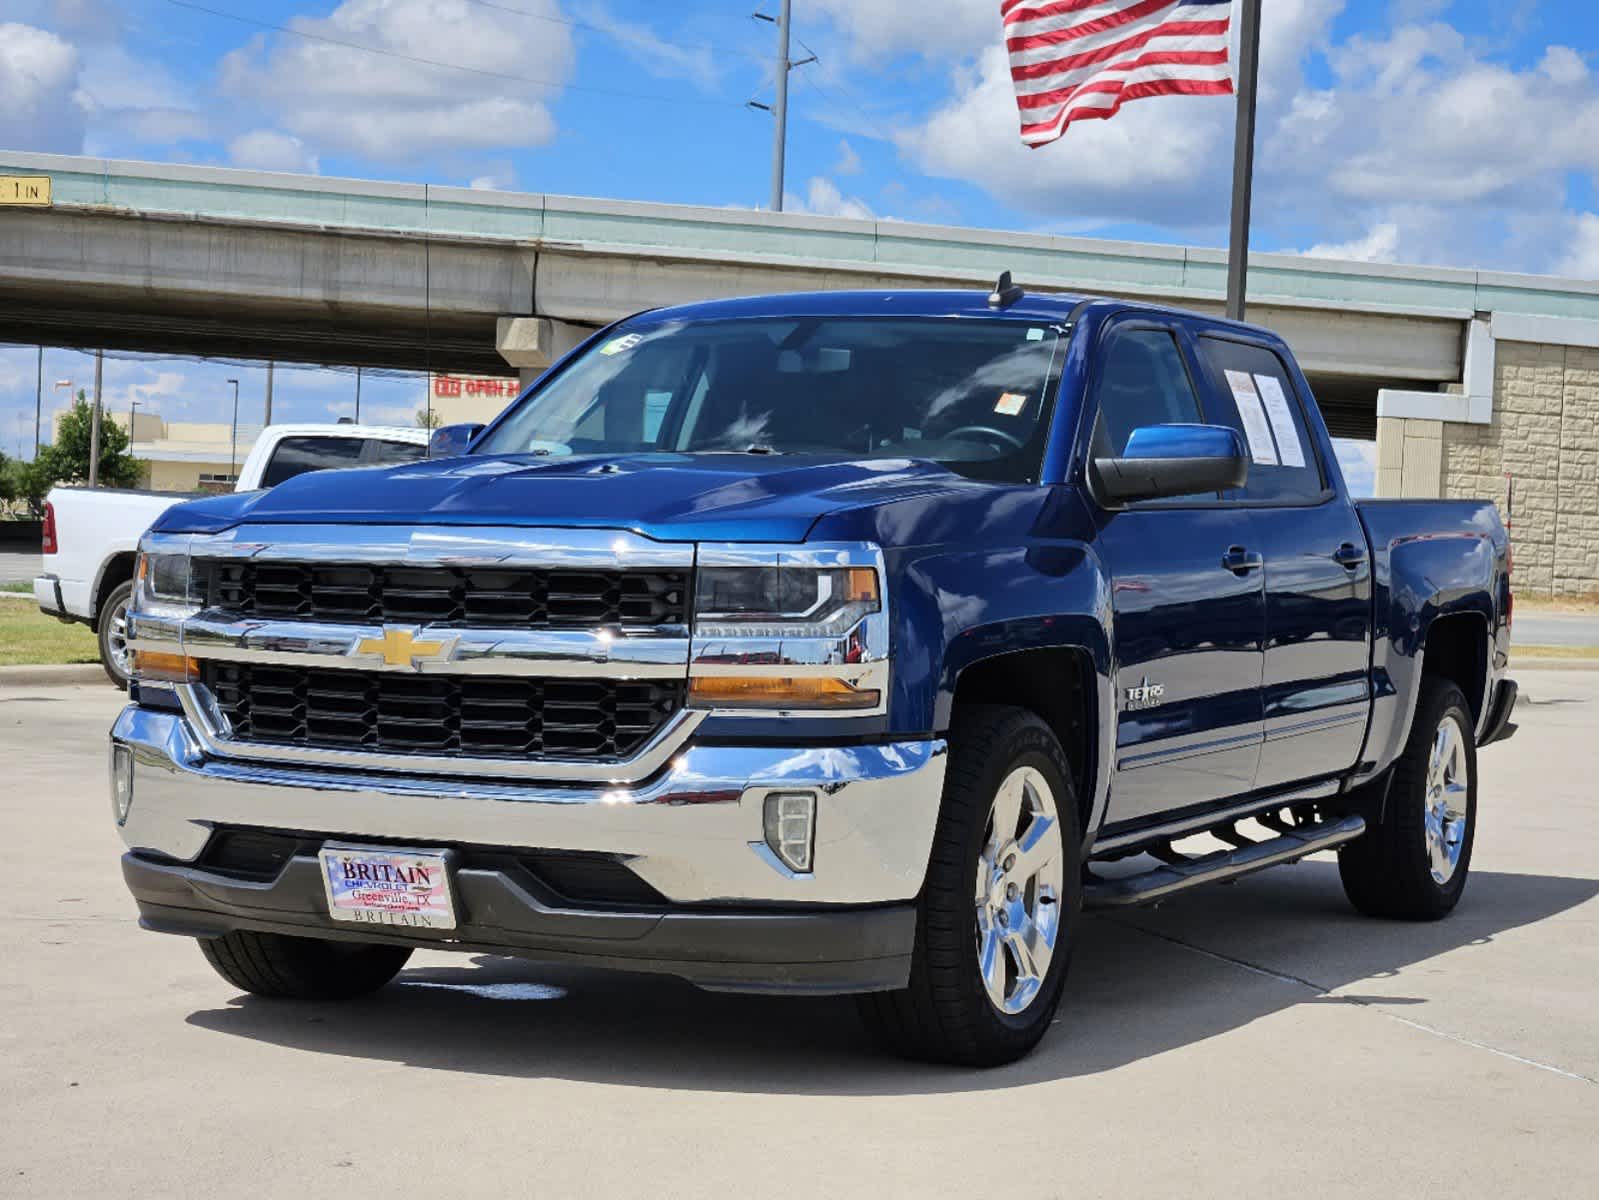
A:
(1010, 403)
(370, 885)
(1256, 428)
(619, 345)
(1282, 421)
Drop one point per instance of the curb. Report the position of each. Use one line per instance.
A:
(55, 675)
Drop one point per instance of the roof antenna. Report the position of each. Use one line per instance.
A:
(1005, 292)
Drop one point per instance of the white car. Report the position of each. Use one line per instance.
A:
(91, 535)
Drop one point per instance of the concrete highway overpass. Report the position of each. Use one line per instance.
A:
(1463, 376)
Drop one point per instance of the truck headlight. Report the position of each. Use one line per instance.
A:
(162, 584)
(783, 629)
(784, 601)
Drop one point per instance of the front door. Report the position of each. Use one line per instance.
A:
(1188, 606)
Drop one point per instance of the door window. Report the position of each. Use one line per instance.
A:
(1143, 382)
(1257, 397)
(388, 454)
(297, 455)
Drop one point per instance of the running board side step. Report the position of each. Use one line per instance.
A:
(1167, 880)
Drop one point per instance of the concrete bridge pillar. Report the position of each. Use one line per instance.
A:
(530, 344)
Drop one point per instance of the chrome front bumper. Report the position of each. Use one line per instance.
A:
(693, 832)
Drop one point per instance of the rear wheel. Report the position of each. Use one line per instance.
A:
(1000, 907)
(295, 968)
(112, 628)
(1412, 864)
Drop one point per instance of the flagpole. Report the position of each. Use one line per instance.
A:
(1243, 159)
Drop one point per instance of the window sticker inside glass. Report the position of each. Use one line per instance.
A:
(1256, 427)
(1282, 420)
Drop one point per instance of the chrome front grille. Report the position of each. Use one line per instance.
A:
(438, 714)
(474, 596)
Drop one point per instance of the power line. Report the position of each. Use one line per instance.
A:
(449, 66)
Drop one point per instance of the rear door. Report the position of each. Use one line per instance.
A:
(1187, 600)
(1316, 684)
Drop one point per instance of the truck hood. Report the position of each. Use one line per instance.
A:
(669, 497)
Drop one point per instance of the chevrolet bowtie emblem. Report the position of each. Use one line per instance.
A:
(400, 647)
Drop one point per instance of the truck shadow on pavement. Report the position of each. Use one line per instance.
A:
(1143, 983)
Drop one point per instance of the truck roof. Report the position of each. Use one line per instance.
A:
(919, 302)
(906, 302)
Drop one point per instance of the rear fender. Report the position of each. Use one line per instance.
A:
(1419, 580)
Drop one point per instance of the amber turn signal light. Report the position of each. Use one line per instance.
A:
(159, 666)
(779, 691)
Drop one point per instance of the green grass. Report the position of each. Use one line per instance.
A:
(29, 638)
(24, 588)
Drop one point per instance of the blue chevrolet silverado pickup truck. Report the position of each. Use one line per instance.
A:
(825, 643)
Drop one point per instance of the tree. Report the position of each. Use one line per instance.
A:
(67, 458)
(22, 481)
(426, 418)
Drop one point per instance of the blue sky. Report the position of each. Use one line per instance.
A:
(1440, 131)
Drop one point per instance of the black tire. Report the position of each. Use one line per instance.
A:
(1388, 872)
(945, 1014)
(294, 968)
(110, 612)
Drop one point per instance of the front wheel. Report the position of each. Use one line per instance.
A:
(281, 967)
(1000, 908)
(1412, 863)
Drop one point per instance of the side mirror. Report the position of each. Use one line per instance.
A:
(451, 441)
(1162, 461)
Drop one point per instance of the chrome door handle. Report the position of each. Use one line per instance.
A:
(1349, 555)
(1241, 562)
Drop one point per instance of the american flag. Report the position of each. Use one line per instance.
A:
(1079, 60)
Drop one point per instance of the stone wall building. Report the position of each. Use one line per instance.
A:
(1530, 443)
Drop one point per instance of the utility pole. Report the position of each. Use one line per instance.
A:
(94, 424)
(38, 404)
(269, 393)
(1243, 159)
(233, 445)
(779, 107)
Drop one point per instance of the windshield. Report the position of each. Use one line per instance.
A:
(973, 394)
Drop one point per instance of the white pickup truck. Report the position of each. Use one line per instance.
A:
(91, 536)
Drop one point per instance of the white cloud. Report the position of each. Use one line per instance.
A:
(38, 80)
(879, 30)
(1380, 245)
(271, 150)
(1421, 141)
(393, 109)
(824, 199)
(1164, 162)
(666, 60)
(1582, 253)
(849, 162)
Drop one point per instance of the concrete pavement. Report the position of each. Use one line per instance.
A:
(1534, 628)
(1221, 1045)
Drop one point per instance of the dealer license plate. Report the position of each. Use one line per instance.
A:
(368, 885)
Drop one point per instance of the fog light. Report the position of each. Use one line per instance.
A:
(791, 828)
(121, 781)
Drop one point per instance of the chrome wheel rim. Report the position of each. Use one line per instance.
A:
(1018, 891)
(1448, 789)
(116, 639)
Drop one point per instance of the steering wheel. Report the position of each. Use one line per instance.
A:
(999, 435)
